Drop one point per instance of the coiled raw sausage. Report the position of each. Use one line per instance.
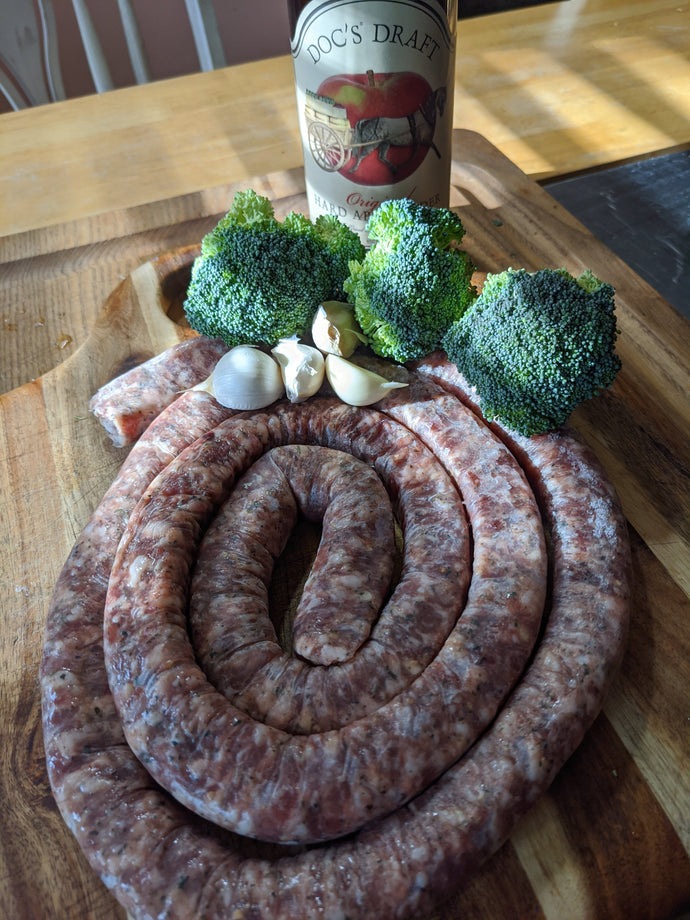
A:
(246, 775)
(158, 859)
(244, 660)
(351, 572)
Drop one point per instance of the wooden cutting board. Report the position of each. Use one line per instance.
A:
(612, 836)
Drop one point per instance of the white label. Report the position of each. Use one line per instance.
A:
(374, 82)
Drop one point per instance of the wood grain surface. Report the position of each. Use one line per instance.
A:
(612, 836)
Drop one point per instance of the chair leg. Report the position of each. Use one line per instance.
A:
(50, 49)
(209, 47)
(11, 93)
(135, 44)
(94, 53)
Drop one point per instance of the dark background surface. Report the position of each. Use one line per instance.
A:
(640, 210)
(468, 8)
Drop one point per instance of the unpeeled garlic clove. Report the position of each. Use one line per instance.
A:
(302, 368)
(355, 385)
(335, 330)
(245, 378)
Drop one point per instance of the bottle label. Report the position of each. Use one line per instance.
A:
(374, 82)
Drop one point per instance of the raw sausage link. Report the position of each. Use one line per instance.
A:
(128, 404)
(350, 575)
(159, 861)
(282, 787)
(353, 567)
(286, 692)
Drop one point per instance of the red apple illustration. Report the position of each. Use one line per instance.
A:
(392, 115)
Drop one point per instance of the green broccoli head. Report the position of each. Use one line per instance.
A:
(258, 279)
(537, 345)
(414, 282)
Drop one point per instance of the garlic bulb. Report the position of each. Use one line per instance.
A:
(302, 368)
(335, 330)
(245, 378)
(355, 385)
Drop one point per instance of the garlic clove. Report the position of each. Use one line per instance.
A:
(335, 330)
(206, 386)
(355, 385)
(302, 368)
(245, 378)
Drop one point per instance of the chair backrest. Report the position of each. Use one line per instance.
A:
(29, 66)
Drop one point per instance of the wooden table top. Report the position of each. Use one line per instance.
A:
(92, 188)
(610, 839)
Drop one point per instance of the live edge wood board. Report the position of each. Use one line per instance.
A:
(611, 838)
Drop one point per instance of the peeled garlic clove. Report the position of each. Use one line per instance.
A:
(335, 329)
(355, 385)
(302, 368)
(245, 378)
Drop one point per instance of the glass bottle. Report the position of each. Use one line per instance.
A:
(374, 82)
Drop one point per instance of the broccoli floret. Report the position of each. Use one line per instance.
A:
(258, 279)
(414, 282)
(537, 345)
